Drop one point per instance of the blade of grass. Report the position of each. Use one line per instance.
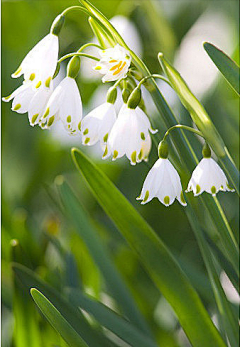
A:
(229, 69)
(229, 320)
(26, 327)
(158, 261)
(56, 320)
(99, 253)
(110, 320)
(71, 314)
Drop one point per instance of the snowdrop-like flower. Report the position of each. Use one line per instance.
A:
(162, 182)
(97, 124)
(65, 104)
(114, 63)
(208, 176)
(21, 97)
(29, 99)
(130, 135)
(40, 63)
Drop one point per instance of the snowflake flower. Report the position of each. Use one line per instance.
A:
(114, 63)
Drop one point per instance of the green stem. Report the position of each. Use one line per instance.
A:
(72, 8)
(69, 55)
(144, 79)
(89, 45)
(185, 127)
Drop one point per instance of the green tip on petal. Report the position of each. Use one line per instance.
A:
(32, 76)
(146, 196)
(46, 113)
(48, 81)
(17, 107)
(140, 155)
(105, 138)
(198, 189)
(115, 154)
(17, 72)
(6, 98)
(34, 117)
(85, 132)
(50, 121)
(69, 118)
(87, 140)
(105, 152)
(134, 157)
(142, 136)
(182, 199)
(213, 190)
(79, 126)
(166, 200)
(38, 84)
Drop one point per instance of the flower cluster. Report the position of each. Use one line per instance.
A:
(126, 133)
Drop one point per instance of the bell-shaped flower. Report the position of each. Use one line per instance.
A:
(208, 177)
(40, 63)
(162, 182)
(29, 99)
(114, 63)
(97, 124)
(21, 97)
(130, 135)
(65, 104)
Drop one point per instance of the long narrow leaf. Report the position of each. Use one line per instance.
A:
(110, 320)
(225, 65)
(56, 320)
(98, 251)
(72, 315)
(154, 255)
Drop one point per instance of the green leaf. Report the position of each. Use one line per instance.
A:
(158, 261)
(99, 253)
(225, 65)
(26, 327)
(71, 314)
(56, 320)
(111, 320)
(201, 119)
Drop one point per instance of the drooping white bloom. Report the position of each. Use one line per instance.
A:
(208, 177)
(40, 63)
(97, 124)
(27, 98)
(130, 135)
(162, 182)
(114, 63)
(21, 97)
(65, 104)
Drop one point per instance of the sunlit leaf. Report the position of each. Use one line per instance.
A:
(154, 255)
(57, 320)
(225, 65)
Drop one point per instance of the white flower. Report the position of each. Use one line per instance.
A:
(114, 63)
(21, 97)
(38, 105)
(40, 63)
(130, 135)
(64, 104)
(209, 177)
(97, 124)
(162, 182)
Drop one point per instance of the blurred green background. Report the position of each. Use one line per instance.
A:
(33, 158)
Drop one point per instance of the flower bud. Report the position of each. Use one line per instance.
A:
(112, 95)
(134, 98)
(163, 149)
(73, 67)
(57, 25)
(206, 151)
